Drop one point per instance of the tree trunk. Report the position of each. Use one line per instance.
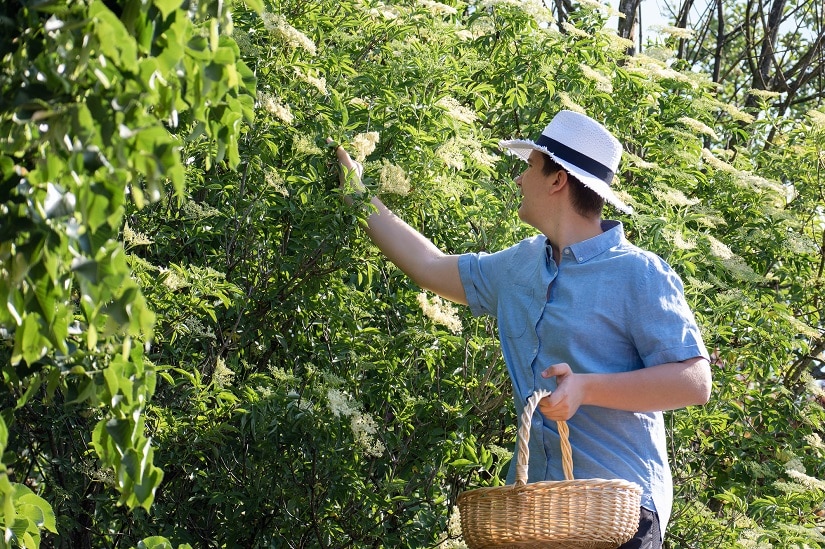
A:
(627, 24)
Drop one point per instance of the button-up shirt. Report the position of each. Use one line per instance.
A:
(608, 306)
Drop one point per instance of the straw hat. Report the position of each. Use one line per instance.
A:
(583, 147)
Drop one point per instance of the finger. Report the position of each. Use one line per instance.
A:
(555, 370)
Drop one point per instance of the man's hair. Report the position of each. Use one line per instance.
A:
(585, 201)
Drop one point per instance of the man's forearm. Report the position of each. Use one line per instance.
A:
(414, 254)
(657, 388)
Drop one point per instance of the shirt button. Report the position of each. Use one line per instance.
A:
(567, 251)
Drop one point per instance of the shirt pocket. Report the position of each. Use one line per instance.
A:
(517, 311)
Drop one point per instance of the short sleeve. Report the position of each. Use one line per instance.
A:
(663, 327)
(478, 281)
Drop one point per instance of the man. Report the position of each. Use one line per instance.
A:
(580, 311)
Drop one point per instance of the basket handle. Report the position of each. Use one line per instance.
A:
(524, 439)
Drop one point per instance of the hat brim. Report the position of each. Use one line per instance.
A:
(522, 148)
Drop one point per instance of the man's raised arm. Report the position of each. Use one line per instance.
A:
(408, 249)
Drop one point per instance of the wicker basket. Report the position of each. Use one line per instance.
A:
(575, 514)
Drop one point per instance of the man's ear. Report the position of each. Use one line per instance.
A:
(559, 181)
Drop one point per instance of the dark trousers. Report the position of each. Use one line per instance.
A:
(648, 536)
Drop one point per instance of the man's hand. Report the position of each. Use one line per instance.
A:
(349, 174)
(568, 396)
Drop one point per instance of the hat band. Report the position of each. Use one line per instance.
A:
(576, 158)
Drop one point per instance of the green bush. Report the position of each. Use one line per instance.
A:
(297, 389)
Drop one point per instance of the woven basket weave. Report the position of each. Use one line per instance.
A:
(568, 514)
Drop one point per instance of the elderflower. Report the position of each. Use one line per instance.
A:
(483, 158)
(305, 146)
(222, 375)
(640, 162)
(456, 110)
(451, 153)
(172, 280)
(437, 8)
(796, 470)
(340, 403)
(698, 127)
(764, 94)
(193, 210)
(616, 43)
(736, 113)
(363, 425)
(464, 35)
(386, 12)
(271, 105)
(363, 429)
(393, 179)
(715, 163)
(288, 34)
(569, 104)
(134, 238)
(674, 197)
(719, 248)
(363, 145)
(440, 312)
(276, 181)
(679, 33)
(574, 30)
(602, 82)
(817, 118)
(319, 83)
(680, 243)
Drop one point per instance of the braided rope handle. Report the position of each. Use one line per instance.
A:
(524, 439)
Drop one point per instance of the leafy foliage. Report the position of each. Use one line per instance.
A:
(188, 298)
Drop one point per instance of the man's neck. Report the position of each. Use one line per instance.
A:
(564, 232)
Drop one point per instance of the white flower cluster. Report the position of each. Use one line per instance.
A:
(276, 181)
(673, 197)
(573, 30)
(193, 210)
(320, 83)
(796, 470)
(677, 238)
(134, 238)
(451, 539)
(386, 12)
(451, 152)
(440, 312)
(195, 327)
(456, 110)
(271, 105)
(569, 104)
(534, 8)
(363, 425)
(437, 8)
(603, 82)
(698, 127)
(222, 375)
(172, 280)
(732, 110)
(676, 32)
(288, 34)
(764, 94)
(305, 146)
(363, 145)
(393, 179)
(817, 118)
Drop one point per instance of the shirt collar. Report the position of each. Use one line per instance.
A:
(612, 235)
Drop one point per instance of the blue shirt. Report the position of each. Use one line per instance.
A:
(608, 306)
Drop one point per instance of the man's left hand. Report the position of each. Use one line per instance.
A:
(568, 396)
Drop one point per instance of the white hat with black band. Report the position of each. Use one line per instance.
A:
(583, 147)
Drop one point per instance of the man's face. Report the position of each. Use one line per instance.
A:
(533, 184)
